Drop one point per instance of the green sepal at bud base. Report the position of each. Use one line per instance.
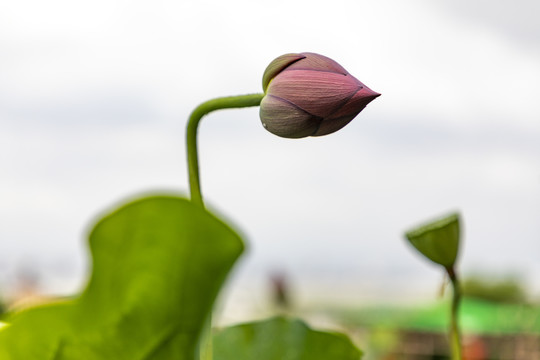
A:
(438, 240)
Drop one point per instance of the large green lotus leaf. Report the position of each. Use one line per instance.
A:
(282, 339)
(438, 240)
(158, 264)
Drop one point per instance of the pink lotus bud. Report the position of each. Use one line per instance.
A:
(309, 94)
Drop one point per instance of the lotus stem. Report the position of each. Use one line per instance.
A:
(191, 134)
(205, 343)
(455, 334)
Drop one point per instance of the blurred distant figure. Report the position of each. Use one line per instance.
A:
(280, 292)
(26, 288)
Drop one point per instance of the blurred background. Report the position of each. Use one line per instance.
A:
(94, 98)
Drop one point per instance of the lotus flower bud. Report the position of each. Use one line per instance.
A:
(309, 94)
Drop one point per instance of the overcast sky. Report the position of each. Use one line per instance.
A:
(94, 97)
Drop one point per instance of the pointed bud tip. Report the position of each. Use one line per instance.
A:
(372, 97)
(369, 94)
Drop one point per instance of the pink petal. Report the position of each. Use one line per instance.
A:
(317, 62)
(356, 103)
(282, 118)
(318, 93)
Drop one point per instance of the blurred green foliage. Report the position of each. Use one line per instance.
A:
(158, 264)
(476, 316)
(506, 290)
(281, 338)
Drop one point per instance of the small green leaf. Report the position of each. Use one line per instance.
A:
(438, 240)
(281, 339)
(158, 264)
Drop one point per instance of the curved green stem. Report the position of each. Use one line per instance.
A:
(191, 133)
(205, 345)
(455, 335)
